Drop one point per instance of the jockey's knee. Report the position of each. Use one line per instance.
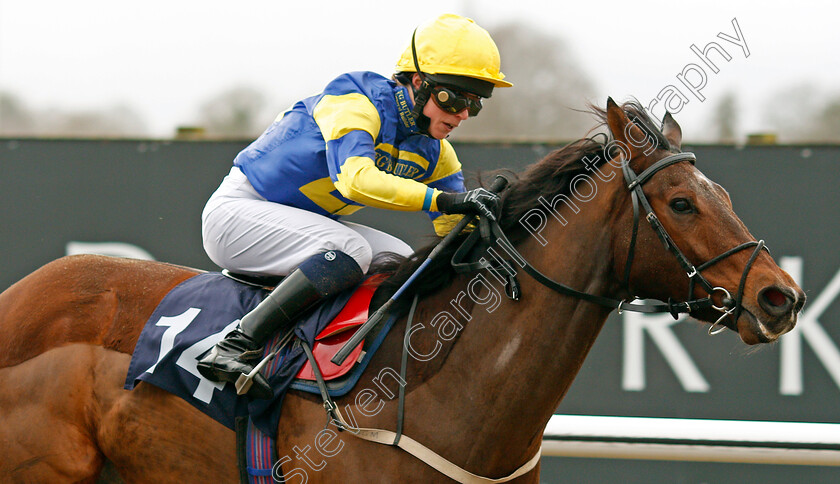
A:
(215, 254)
(359, 249)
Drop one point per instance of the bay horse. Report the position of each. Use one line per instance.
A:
(479, 390)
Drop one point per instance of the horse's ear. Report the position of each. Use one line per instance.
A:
(616, 119)
(672, 130)
(625, 132)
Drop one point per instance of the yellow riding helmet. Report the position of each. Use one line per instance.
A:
(457, 46)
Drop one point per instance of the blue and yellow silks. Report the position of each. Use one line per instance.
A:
(353, 145)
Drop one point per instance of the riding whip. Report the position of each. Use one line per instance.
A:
(498, 185)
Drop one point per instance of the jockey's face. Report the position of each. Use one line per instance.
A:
(442, 123)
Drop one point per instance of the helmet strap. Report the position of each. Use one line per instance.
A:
(421, 95)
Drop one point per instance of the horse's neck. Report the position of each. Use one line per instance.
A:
(513, 363)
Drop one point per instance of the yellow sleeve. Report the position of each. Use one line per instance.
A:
(338, 115)
(361, 181)
(350, 123)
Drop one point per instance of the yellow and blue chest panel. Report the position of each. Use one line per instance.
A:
(362, 120)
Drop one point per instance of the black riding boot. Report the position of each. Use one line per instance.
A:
(319, 277)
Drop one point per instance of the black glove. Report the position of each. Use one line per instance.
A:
(474, 202)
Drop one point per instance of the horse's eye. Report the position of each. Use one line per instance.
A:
(681, 205)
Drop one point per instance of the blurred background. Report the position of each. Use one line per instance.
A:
(144, 69)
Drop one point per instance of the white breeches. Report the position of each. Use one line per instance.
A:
(245, 233)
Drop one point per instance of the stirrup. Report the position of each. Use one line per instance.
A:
(244, 382)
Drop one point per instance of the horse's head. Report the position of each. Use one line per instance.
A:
(694, 229)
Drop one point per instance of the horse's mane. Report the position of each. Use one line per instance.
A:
(545, 179)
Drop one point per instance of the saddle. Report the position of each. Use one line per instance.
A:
(337, 332)
(201, 310)
(255, 448)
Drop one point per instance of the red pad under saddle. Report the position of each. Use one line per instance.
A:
(340, 330)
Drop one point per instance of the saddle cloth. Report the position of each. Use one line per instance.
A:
(200, 311)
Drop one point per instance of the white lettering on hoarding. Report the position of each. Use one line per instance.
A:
(659, 329)
(809, 329)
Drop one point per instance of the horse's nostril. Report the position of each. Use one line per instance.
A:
(775, 297)
(775, 301)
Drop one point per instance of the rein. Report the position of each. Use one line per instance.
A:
(730, 307)
(492, 231)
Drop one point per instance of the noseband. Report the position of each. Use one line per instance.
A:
(730, 307)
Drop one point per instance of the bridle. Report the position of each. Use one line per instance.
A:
(490, 229)
(730, 307)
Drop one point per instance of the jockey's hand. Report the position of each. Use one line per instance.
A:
(474, 202)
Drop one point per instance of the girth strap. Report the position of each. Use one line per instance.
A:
(403, 441)
(433, 459)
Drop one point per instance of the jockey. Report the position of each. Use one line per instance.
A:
(364, 141)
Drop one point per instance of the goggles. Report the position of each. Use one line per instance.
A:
(454, 102)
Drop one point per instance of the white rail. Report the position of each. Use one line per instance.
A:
(747, 442)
